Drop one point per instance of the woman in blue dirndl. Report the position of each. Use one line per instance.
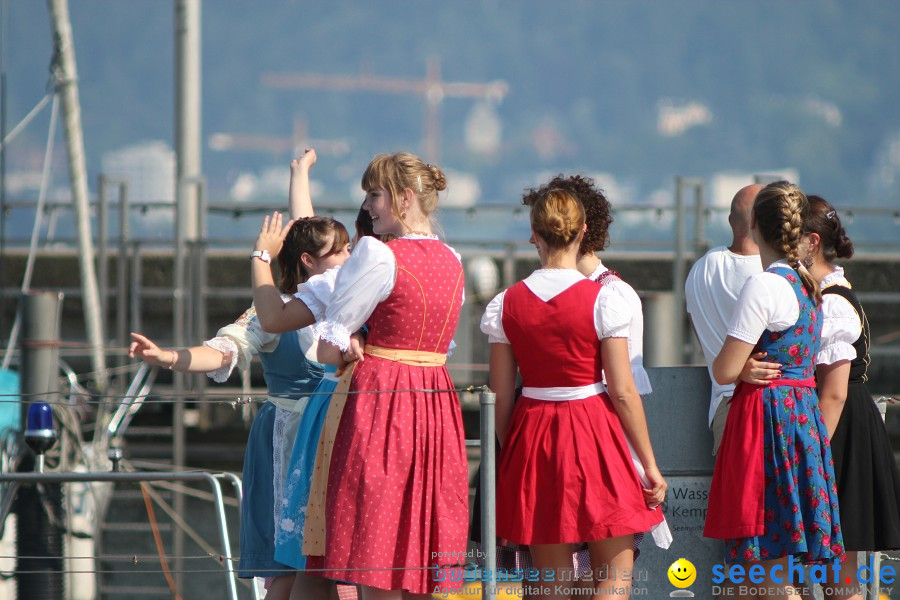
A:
(773, 494)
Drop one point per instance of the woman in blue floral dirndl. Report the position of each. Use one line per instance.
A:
(773, 497)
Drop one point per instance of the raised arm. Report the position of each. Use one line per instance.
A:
(630, 409)
(299, 198)
(275, 315)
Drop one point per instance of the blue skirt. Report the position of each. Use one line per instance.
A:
(289, 532)
(257, 538)
(801, 504)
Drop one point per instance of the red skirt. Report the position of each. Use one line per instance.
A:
(566, 475)
(397, 509)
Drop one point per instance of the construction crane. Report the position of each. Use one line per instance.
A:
(278, 145)
(432, 87)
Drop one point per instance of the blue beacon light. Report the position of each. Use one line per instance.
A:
(40, 434)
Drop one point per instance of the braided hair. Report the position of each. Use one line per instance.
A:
(781, 209)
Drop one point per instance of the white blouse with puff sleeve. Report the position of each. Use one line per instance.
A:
(316, 292)
(635, 329)
(241, 340)
(841, 325)
(767, 301)
(364, 281)
(612, 314)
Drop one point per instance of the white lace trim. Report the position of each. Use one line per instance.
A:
(226, 346)
(334, 333)
(278, 428)
(419, 236)
(836, 277)
(598, 270)
(835, 352)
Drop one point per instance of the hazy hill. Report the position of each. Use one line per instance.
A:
(770, 84)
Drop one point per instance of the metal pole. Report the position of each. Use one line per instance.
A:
(489, 495)
(187, 165)
(66, 78)
(4, 33)
(509, 266)
(36, 535)
(40, 346)
(699, 219)
(187, 113)
(135, 293)
(122, 279)
(678, 274)
(198, 320)
(103, 245)
(223, 534)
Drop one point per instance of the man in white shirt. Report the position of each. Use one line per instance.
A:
(711, 292)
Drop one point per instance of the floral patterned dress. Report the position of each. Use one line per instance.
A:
(800, 504)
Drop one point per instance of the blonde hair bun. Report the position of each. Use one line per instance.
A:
(557, 217)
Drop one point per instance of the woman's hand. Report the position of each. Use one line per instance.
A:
(305, 161)
(759, 372)
(146, 349)
(355, 350)
(272, 234)
(656, 494)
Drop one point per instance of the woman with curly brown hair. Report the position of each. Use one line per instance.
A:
(598, 218)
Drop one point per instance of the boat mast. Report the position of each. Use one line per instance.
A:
(65, 78)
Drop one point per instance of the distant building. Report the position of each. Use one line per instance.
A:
(724, 184)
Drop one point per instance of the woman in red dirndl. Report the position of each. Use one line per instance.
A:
(397, 503)
(566, 475)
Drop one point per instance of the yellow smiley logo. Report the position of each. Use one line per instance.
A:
(682, 573)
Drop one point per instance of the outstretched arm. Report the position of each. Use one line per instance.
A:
(197, 359)
(630, 408)
(299, 198)
(275, 315)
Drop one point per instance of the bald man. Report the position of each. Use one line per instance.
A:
(711, 292)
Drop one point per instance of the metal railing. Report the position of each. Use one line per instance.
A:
(19, 479)
(10, 484)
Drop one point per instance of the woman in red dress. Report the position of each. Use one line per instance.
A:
(566, 475)
(397, 506)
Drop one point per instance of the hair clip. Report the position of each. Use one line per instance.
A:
(830, 214)
(419, 179)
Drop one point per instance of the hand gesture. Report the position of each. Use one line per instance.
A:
(656, 494)
(146, 349)
(306, 160)
(759, 372)
(272, 234)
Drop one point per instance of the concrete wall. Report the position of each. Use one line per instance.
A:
(677, 418)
